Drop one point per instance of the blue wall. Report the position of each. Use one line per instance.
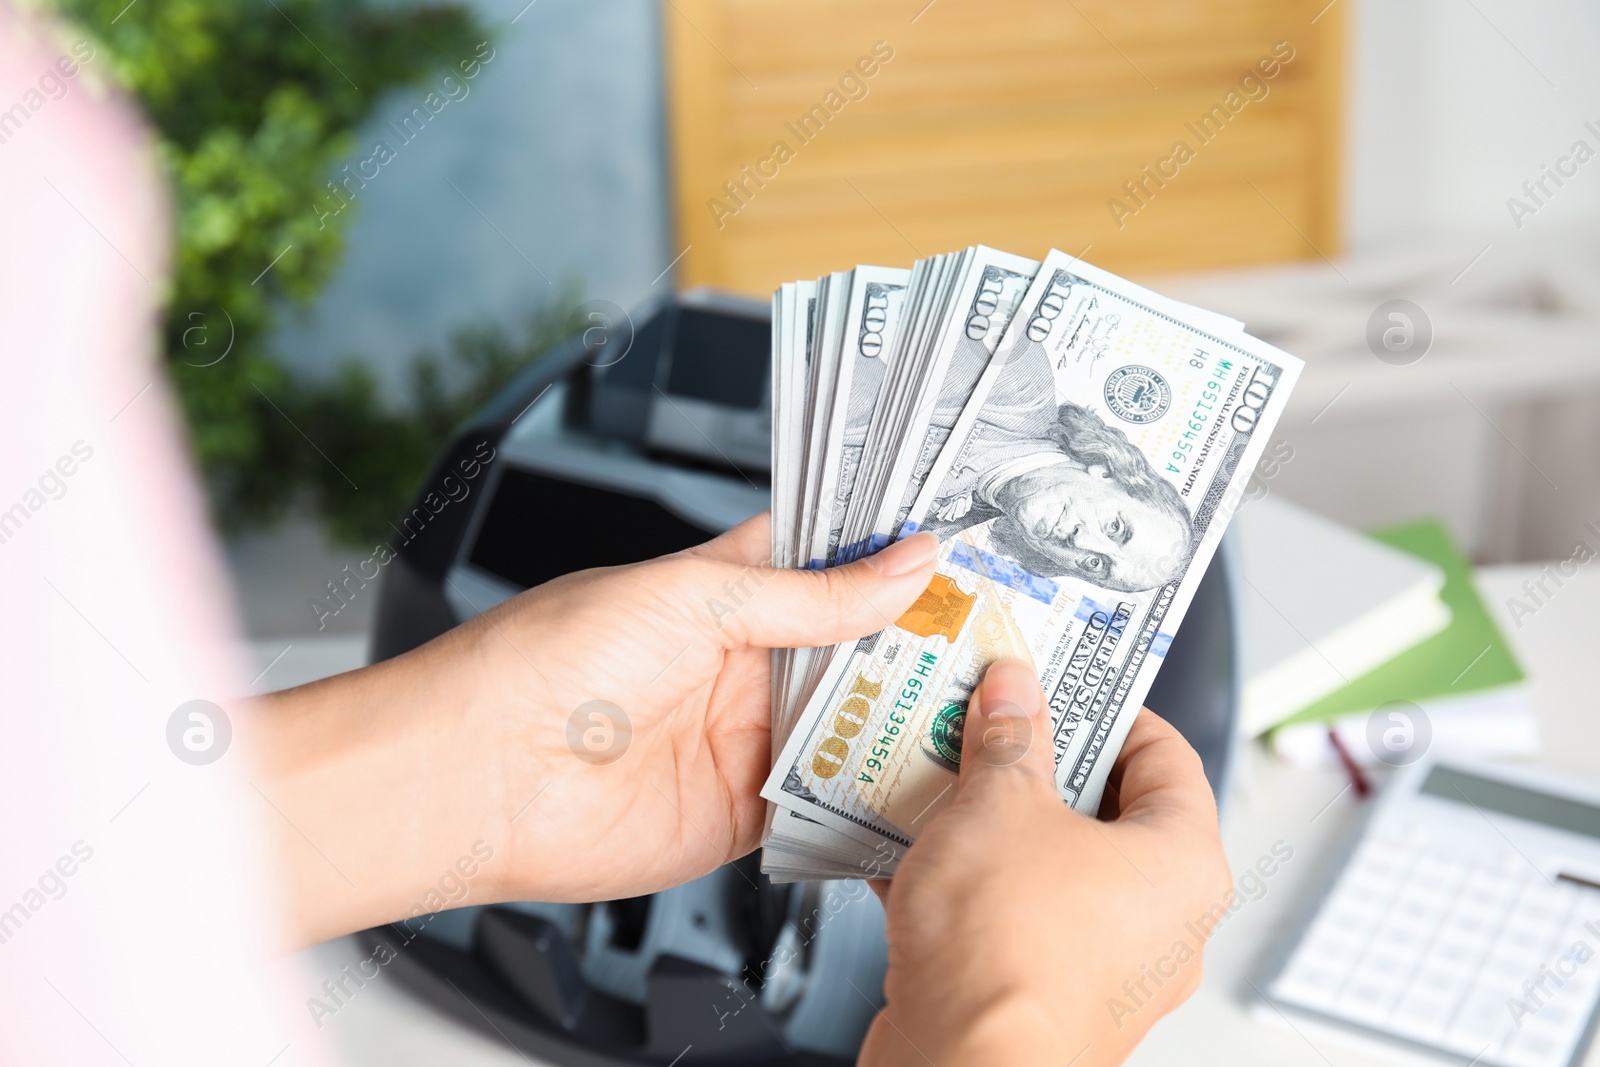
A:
(558, 141)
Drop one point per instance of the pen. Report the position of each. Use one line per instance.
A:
(1358, 777)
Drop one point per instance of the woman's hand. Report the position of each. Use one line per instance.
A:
(601, 736)
(1021, 932)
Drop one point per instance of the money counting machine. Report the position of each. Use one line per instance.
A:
(645, 434)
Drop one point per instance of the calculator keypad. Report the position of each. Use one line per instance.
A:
(1447, 936)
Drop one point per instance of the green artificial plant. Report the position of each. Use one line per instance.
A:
(255, 105)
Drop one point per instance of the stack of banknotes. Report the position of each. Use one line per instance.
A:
(1077, 442)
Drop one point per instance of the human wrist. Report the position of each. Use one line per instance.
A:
(1012, 1030)
(1008, 1030)
(369, 780)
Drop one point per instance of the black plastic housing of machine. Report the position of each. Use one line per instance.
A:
(644, 435)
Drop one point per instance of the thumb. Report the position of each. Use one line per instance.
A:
(767, 607)
(1006, 732)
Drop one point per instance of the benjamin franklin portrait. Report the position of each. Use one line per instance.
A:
(1068, 495)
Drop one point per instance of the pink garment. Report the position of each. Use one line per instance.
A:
(134, 925)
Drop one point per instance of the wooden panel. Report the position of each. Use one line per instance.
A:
(1012, 123)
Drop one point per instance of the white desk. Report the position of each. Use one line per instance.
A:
(1311, 811)
(1272, 802)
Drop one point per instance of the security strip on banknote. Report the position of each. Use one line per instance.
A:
(1078, 444)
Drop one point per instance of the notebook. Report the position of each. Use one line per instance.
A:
(1465, 679)
(1321, 604)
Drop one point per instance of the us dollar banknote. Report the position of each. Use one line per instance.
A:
(871, 320)
(1078, 499)
(984, 299)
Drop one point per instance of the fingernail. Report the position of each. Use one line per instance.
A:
(1011, 690)
(904, 557)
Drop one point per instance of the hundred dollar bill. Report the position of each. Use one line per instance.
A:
(869, 315)
(794, 324)
(788, 834)
(871, 319)
(926, 290)
(1079, 500)
(984, 299)
(826, 347)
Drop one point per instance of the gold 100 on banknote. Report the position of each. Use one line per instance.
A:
(1076, 442)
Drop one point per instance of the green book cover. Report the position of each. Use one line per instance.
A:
(1469, 655)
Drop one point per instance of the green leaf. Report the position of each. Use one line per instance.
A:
(255, 104)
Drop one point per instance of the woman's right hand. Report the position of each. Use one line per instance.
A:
(1021, 932)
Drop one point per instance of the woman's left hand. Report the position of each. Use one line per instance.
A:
(603, 735)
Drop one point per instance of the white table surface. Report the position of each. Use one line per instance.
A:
(1311, 811)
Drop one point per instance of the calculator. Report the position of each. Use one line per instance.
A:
(1463, 926)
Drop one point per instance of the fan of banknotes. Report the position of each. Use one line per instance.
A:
(1077, 442)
